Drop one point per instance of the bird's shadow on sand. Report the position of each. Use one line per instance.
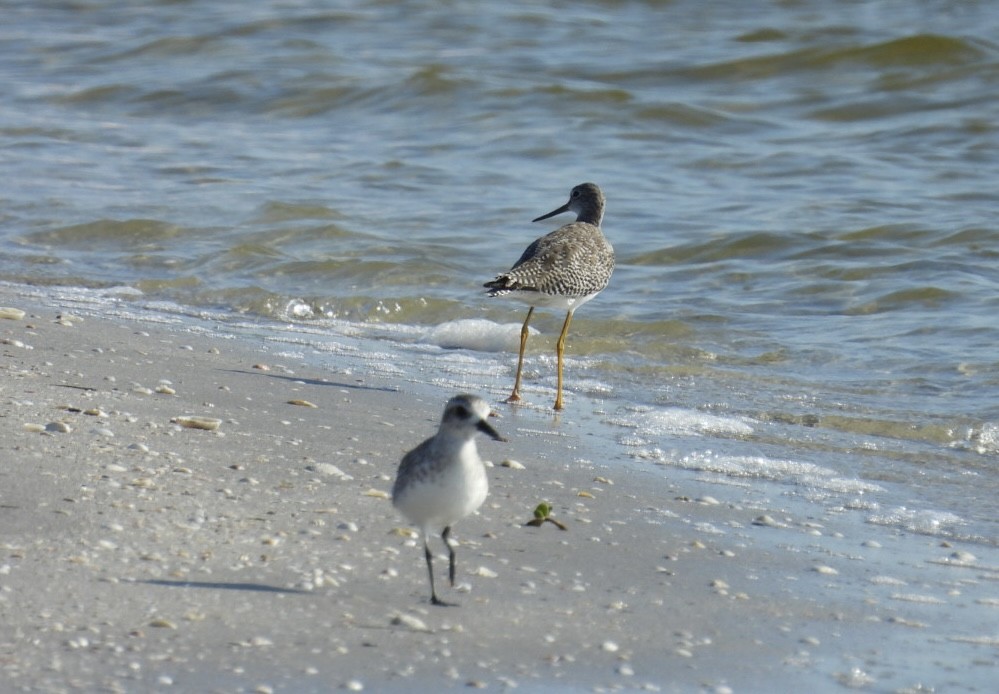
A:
(221, 585)
(313, 381)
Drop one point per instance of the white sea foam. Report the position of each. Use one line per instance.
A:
(676, 421)
(296, 308)
(650, 425)
(983, 440)
(122, 291)
(476, 334)
(926, 522)
(790, 472)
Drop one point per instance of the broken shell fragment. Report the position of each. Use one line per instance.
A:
(11, 313)
(191, 422)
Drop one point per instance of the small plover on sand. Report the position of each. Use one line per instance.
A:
(564, 270)
(443, 479)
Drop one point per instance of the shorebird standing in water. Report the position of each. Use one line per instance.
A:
(443, 479)
(564, 269)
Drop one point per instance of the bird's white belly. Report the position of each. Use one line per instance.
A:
(448, 497)
(542, 300)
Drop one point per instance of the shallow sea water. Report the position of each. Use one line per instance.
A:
(801, 197)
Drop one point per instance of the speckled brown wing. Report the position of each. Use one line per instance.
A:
(574, 260)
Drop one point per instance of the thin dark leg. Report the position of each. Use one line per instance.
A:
(430, 570)
(446, 536)
(515, 395)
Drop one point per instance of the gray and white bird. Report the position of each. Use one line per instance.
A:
(562, 270)
(443, 479)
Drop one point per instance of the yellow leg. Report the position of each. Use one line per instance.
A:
(560, 352)
(515, 395)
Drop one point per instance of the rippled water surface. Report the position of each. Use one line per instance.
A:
(802, 197)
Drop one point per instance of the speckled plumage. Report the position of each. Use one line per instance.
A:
(563, 269)
(443, 479)
(568, 266)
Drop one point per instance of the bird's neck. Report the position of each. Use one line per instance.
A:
(456, 440)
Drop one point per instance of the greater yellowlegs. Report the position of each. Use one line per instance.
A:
(564, 269)
(443, 479)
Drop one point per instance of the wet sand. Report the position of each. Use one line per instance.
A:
(141, 554)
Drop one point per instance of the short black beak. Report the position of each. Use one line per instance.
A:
(564, 208)
(487, 428)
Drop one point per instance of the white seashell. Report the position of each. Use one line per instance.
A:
(8, 313)
(192, 422)
(410, 622)
(326, 469)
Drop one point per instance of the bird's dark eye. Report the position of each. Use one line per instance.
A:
(575, 193)
(461, 412)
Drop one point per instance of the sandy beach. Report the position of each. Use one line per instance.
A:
(262, 554)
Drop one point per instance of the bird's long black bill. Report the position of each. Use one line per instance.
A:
(486, 428)
(564, 208)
